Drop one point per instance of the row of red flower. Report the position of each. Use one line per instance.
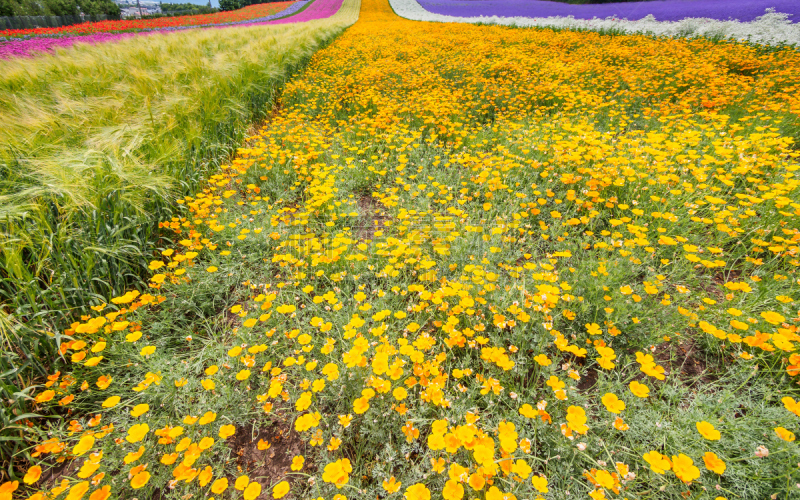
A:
(247, 13)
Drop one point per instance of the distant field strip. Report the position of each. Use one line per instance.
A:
(772, 28)
(662, 10)
(257, 12)
(308, 11)
(320, 9)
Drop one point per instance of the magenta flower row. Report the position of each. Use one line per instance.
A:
(319, 9)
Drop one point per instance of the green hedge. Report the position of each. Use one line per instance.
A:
(238, 4)
(29, 22)
(58, 8)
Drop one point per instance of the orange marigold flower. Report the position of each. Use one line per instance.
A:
(785, 434)
(33, 475)
(227, 431)
(658, 463)
(252, 491)
(453, 490)
(241, 482)
(684, 468)
(391, 485)
(280, 490)
(338, 472)
(476, 481)
(140, 479)
(714, 463)
(104, 493)
(85, 444)
(219, 486)
(708, 431)
(417, 492)
(639, 390)
(540, 483)
(613, 403)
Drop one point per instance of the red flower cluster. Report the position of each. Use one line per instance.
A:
(247, 13)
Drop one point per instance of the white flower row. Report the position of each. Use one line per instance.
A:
(772, 28)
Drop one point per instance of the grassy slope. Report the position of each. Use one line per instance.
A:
(97, 141)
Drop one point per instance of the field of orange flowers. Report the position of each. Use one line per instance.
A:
(465, 262)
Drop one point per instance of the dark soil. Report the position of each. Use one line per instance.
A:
(684, 357)
(372, 217)
(270, 466)
(588, 380)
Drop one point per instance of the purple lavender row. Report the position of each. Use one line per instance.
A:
(30, 46)
(664, 10)
(320, 9)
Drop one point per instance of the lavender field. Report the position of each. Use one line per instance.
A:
(665, 10)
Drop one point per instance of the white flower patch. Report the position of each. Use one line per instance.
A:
(773, 28)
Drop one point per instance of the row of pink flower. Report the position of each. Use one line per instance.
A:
(34, 46)
(319, 9)
(250, 13)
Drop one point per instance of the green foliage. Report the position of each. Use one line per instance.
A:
(98, 7)
(186, 9)
(169, 7)
(238, 4)
(6, 8)
(229, 4)
(58, 7)
(19, 367)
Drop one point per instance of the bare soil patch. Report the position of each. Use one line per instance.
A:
(65, 470)
(372, 217)
(684, 357)
(270, 466)
(588, 380)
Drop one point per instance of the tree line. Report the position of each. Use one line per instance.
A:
(238, 4)
(183, 8)
(57, 7)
